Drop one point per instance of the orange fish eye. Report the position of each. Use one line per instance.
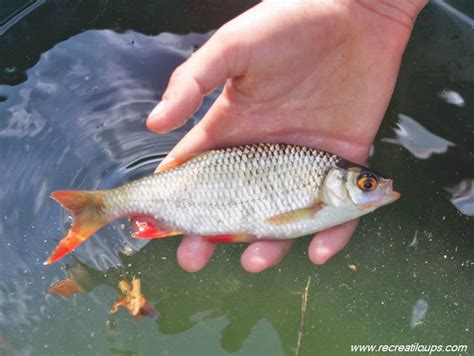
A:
(367, 181)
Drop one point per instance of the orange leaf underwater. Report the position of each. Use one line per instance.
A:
(133, 300)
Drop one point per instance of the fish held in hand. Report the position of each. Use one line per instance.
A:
(238, 194)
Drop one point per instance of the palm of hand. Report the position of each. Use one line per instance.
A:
(306, 75)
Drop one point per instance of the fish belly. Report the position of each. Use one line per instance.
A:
(233, 191)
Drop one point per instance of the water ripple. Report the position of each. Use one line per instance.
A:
(77, 122)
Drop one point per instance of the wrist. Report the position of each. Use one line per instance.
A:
(403, 12)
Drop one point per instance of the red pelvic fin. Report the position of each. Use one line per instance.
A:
(229, 238)
(146, 227)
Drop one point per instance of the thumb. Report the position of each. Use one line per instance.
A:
(205, 70)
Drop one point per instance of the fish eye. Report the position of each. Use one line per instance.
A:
(367, 181)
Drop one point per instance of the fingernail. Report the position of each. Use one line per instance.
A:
(257, 260)
(166, 160)
(156, 112)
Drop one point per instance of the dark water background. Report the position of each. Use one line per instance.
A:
(76, 83)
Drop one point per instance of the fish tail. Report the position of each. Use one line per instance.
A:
(88, 215)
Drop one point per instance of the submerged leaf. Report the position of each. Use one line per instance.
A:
(133, 300)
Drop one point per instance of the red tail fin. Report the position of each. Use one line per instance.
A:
(87, 210)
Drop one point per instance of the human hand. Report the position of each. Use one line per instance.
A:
(313, 73)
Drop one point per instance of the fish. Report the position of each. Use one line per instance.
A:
(263, 191)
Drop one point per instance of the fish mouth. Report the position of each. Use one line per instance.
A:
(389, 195)
(392, 196)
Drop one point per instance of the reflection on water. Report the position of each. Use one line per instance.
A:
(462, 196)
(75, 120)
(418, 313)
(452, 97)
(89, 121)
(453, 11)
(417, 139)
(182, 308)
(13, 12)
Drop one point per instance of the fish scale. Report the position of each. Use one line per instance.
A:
(230, 190)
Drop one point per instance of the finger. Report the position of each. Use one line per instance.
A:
(329, 242)
(206, 69)
(195, 141)
(261, 255)
(193, 253)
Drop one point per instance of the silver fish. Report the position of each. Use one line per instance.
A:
(239, 194)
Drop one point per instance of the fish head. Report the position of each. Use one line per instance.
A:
(358, 188)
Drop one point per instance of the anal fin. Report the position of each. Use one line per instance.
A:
(229, 238)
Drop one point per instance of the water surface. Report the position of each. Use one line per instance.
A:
(72, 111)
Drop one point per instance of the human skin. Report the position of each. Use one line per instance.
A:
(314, 73)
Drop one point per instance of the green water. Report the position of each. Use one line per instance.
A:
(64, 123)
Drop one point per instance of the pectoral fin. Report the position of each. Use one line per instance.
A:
(294, 215)
(156, 234)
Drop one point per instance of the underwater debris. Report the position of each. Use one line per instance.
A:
(304, 303)
(414, 242)
(133, 300)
